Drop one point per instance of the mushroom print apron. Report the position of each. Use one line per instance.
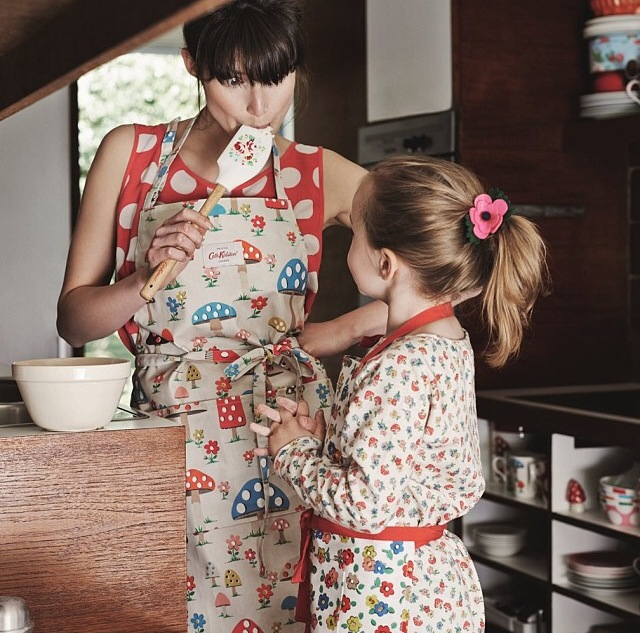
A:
(214, 343)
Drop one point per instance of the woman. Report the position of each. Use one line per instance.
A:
(139, 208)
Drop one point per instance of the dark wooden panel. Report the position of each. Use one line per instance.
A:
(516, 93)
(92, 529)
(81, 36)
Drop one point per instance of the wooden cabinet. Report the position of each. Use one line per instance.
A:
(584, 450)
(92, 528)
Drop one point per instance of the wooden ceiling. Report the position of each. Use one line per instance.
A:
(47, 44)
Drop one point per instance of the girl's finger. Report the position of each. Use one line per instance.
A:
(268, 412)
(289, 405)
(307, 423)
(261, 452)
(260, 429)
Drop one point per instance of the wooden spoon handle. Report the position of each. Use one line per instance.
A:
(162, 272)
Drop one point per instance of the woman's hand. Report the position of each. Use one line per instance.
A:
(288, 423)
(324, 339)
(178, 238)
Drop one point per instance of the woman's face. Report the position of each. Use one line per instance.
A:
(236, 102)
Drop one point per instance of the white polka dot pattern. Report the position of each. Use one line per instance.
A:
(306, 149)
(131, 253)
(126, 216)
(311, 243)
(182, 182)
(290, 177)
(119, 258)
(146, 142)
(149, 173)
(255, 188)
(303, 210)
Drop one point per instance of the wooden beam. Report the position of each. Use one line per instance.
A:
(83, 36)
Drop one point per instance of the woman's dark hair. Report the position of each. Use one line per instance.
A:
(262, 38)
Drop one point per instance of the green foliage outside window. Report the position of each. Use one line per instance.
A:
(135, 88)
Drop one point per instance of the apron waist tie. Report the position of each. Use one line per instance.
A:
(309, 522)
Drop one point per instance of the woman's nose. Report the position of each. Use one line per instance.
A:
(257, 101)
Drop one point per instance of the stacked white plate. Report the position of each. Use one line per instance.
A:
(602, 571)
(499, 539)
(603, 105)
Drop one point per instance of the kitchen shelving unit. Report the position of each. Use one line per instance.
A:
(581, 447)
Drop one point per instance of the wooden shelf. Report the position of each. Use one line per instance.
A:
(597, 135)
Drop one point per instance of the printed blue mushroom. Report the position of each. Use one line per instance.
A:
(213, 313)
(292, 281)
(215, 214)
(250, 500)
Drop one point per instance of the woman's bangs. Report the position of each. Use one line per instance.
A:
(263, 59)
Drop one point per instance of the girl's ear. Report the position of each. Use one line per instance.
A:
(388, 264)
(189, 64)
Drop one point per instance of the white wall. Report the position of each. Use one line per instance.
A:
(35, 212)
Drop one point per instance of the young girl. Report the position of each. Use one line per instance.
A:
(401, 459)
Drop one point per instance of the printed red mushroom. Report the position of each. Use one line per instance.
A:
(246, 625)
(222, 602)
(196, 482)
(216, 355)
(231, 415)
(251, 255)
(156, 340)
(576, 496)
(278, 204)
(281, 525)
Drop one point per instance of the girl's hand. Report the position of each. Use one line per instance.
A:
(288, 423)
(178, 238)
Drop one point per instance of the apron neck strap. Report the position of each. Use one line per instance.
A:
(168, 151)
(430, 315)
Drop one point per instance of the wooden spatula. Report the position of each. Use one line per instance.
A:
(241, 160)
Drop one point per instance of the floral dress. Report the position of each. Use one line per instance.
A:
(401, 450)
(215, 342)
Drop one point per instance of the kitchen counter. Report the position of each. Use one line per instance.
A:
(579, 410)
(92, 528)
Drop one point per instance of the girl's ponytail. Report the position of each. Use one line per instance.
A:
(518, 275)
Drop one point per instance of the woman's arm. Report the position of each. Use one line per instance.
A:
(89, 307)
(341, 180)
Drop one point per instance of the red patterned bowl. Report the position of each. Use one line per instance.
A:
(615, 7)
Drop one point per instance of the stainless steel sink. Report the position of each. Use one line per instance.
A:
(14, 414)
(12, 409)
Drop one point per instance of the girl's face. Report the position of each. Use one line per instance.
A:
(363, 259)
(236, 102)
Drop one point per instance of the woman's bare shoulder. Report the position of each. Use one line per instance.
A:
(342, 178)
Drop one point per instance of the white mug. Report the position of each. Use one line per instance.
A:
(631, 89)
(522, 473)
(503, 443)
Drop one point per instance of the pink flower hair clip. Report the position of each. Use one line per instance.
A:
(487, 214)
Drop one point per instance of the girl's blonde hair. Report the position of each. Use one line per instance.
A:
(416, 207)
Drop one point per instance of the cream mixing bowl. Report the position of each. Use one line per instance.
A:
(71, 394)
